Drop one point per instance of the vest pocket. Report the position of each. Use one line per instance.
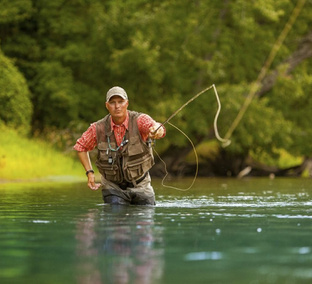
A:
(135, 172)
(102, 152)
(111, 173)
(136, 169)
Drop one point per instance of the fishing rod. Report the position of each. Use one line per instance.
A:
(183, 106)
(225, 142)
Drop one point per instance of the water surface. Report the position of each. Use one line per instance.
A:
(220, 231)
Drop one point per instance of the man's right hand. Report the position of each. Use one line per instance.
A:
(91, 182)
(156, 131)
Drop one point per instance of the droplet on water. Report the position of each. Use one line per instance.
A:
(304, 250)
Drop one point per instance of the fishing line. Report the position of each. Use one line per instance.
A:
(226, 142)
(165, 166)
(254, 87)
(215, 125)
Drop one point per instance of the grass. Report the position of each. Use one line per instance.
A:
(26, 159)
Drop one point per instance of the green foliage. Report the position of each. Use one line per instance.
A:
(163, 53)
(281, 158)
(56, 104)
(15, 11)
(51, 49)
(16, 108)
(263, 128)
(292, 97)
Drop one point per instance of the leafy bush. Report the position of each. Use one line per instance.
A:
(16, 107)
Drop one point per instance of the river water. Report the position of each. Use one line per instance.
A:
(221, 231)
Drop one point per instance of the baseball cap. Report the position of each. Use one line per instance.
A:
(116, 91)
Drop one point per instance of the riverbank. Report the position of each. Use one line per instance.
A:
(33, 160)
(24, 159)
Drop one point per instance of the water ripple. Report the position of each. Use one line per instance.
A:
(248, 202)
(197, 256)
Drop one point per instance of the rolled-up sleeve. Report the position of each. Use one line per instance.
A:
(145, 122)
(87, 141)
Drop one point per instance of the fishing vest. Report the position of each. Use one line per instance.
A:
(131, 161)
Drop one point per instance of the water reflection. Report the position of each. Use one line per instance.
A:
(249, 231)
(119, 244)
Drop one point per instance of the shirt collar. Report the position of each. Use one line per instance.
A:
(125, 123)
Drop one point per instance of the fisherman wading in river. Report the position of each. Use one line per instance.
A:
(124, 152)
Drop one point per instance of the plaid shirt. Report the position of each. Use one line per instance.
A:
(87, 142)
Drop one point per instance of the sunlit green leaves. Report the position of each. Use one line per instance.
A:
(56, 102)
(16, 108)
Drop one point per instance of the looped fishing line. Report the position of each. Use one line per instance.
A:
(226, 141)
(215, 125)
(166, 172)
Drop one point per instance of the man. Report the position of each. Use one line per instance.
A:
(124, 152)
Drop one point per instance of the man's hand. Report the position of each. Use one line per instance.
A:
(156, 131)
(91, 182)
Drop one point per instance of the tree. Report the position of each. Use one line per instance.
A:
(16, 108)
(163, 53)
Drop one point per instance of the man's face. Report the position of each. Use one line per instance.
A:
(117, 107)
